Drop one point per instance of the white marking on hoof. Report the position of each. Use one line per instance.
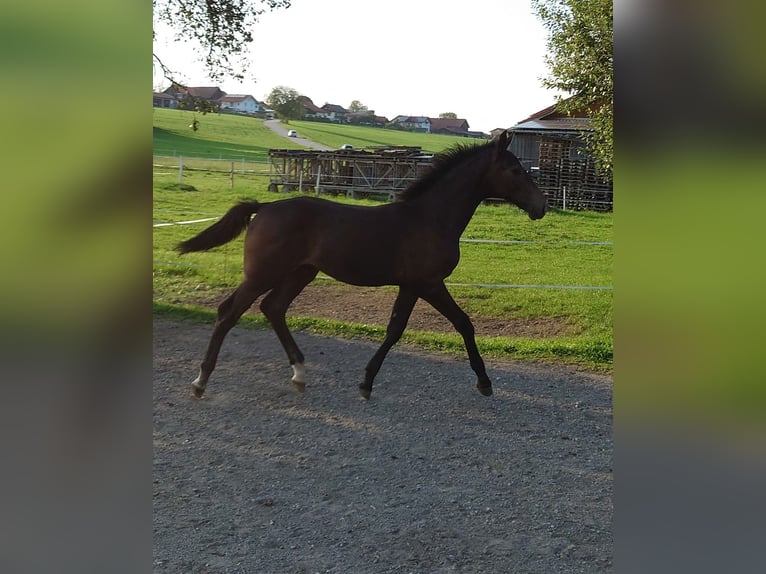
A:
(299, 377)
(198, 385)
(299, 374)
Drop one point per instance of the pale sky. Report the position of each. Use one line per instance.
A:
(482, 59)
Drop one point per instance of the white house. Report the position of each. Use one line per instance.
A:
(240, 103)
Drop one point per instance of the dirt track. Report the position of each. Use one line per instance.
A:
(426, 477)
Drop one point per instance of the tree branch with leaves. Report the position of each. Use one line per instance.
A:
(580, 61)
(221, 30)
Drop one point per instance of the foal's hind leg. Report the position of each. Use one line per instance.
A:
(405, 302)
(229, 313)
(443, 302)
(275, 305)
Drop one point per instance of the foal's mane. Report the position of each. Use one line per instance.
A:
(440, 165)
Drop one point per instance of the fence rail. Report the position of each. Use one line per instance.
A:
(179, 264)
(310, 178)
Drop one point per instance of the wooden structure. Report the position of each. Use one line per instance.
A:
(377, 172)
(552, 145)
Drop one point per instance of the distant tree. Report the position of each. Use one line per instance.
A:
(221, 29)
(448, 115)
(580, 62)
(356, 106)
(286, 102)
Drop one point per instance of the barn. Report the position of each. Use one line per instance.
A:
(551, 143)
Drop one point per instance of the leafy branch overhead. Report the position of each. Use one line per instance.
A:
(580, 63)
(221, 30)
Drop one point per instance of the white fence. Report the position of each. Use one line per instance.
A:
(228, 168)
(481, 285)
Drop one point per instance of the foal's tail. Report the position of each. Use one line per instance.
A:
(224, 230)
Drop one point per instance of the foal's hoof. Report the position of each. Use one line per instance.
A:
(365, 393)
(197, 392)
(299, 386)
(486, 391)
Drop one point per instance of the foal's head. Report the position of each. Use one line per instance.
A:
(507, 179)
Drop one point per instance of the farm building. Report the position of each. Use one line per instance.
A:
(553, 143)
(310, 110)
(453, 127)
(378, 172)
(335, 113)
(163, 100)
(188, 96)
(412, 123)
(242, 103)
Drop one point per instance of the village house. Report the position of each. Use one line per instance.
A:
(335, 113)
(187, 97)
(412, 123)
(244, 104)
(452, 127)
(310, 110)
(163, 100)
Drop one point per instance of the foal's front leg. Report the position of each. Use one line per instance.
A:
(441, 300)
(229, 313)
(405, 302)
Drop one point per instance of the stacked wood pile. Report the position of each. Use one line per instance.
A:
(378, 172)
(568, 174)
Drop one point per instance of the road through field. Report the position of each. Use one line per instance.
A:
(278, 128)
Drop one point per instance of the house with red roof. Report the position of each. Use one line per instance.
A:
(450, 126)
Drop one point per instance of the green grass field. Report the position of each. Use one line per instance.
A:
(220, 136)
(229, 136)
(334, 136)
(562, 249)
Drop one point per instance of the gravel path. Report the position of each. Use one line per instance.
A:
(426, 477)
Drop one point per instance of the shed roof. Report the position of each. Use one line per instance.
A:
(552, 113)
(311, 107)
(335, 108)
(206, 92)
(236, 98)
(566, 125)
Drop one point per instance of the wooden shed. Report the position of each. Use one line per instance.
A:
(552, 145)
(377, 172)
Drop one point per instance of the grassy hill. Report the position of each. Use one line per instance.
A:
(335, 135)
(224, 136)
(228, 136)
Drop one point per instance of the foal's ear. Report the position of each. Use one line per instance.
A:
(501, 144)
